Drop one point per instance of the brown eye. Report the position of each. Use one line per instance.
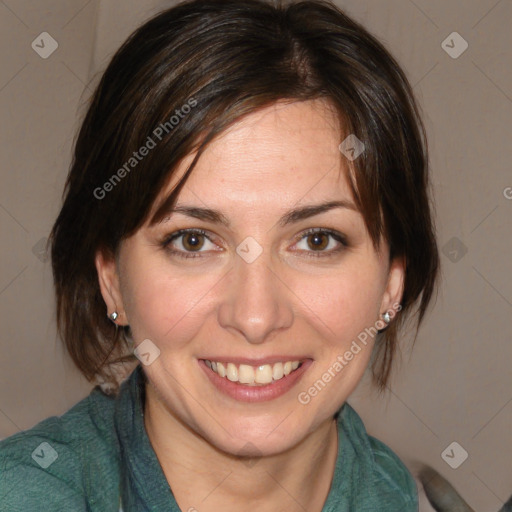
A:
(321, 242)
(189, 243)
(192, 241)
(318, 241)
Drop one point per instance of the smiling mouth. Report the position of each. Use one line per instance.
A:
(253, 375)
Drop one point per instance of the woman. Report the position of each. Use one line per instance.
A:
(247, 218)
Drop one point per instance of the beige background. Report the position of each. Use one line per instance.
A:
(456, 385)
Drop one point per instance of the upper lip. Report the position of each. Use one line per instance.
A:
(255, 362)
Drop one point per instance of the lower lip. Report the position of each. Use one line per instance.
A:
(244, 393)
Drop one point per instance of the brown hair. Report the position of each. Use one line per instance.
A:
(224, 59)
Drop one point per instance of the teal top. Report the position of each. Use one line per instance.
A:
(97, 457)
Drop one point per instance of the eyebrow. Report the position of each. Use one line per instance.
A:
(291, 217)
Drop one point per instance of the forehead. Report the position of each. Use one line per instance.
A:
(282, 154)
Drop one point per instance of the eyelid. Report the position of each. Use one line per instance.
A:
(176, 234)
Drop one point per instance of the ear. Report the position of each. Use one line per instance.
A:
(394, 288)
(108, 277)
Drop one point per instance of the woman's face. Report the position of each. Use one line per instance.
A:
(255, 290)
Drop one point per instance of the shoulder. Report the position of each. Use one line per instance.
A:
(57, 463)
(392, 485)
(390, 470)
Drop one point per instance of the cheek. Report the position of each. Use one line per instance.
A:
(345, 303)
(162, 306)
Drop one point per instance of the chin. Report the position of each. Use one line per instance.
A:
(256, 436)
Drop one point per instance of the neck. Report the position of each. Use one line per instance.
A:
(206, 479)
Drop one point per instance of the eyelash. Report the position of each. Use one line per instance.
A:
(314, 254)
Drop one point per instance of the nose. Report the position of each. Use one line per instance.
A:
(256, 302)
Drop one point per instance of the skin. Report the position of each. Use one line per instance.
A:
(286, 302)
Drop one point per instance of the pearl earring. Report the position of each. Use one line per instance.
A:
(113, 316)
(386, 317)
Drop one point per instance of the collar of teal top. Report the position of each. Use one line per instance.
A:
(144, 487)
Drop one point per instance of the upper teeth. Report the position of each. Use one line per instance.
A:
(245, 374)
